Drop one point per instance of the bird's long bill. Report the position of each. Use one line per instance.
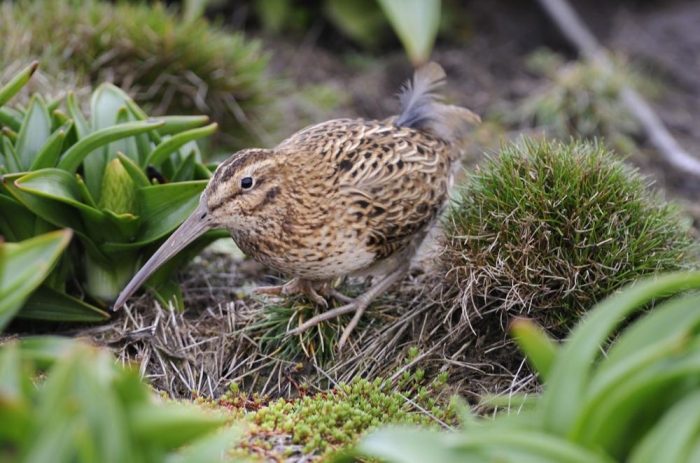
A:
(191, 229)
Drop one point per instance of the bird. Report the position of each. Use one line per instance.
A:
(342, 198)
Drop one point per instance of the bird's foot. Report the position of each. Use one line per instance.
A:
(358, 306)
(328, 291)
(294, 286)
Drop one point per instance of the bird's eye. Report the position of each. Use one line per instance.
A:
(247, 183)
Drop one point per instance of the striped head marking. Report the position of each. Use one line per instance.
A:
(244, 185)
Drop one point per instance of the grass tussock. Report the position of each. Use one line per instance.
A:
(549, 228)
(167, 64)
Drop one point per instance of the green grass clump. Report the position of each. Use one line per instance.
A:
(581, 99)
(551, 228)
(326, 422)
(168, 64)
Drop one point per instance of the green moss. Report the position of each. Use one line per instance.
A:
(166, 63)
(325, 422)
(551, 228)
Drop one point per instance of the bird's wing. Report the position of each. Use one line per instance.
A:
(394, 181)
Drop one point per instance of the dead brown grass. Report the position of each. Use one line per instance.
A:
(216, 342)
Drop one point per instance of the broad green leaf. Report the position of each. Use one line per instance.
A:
(59, 119)
(11, 383)
(673, 438)
(23, 266)
(44, 351)
(81, 125)
(673, 319)
(177, 124)
(75, 154)
(106, 102)
(58, 185)
(35, 131)
(546, 446)
(48, 304)
(186, 169)
(165, 207)
(618, 420)
(416, 23)
(15, 84)
(10, 118)
(172, 425)
(140, 115)
(212, 448)
(55, 445)
(360, 20)
(572, 368)
(15, 418)
(10, 134)
(109, 108)
(540, 349)
(104, 280)
(410, 445)
(170, 145)
(47, 156)
(85, 194)
(11, 158)
(16, 222)
(137, 175)
(58, 214)
(202, 172)
(126, 224)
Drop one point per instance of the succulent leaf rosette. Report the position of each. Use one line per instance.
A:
(120, 180)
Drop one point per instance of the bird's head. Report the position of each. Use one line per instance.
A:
(244, 190)
(241, 195)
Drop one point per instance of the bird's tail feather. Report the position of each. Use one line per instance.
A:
(421, 107)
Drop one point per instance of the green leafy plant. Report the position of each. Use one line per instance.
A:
(63, 401)
(119, 180)
(637, 400)
(580, 99)
(549, 228)
(168, 64)
(24, 266)
(416, 22)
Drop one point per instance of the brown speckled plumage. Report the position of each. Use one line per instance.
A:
(353, 192)
(343, 197)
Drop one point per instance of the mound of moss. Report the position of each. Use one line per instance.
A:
(550, 228)
(318, 424)
(166, 63)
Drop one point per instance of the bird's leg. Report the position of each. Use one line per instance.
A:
(327, 290)
(294, 286)
(358, 305)
(338, 296)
